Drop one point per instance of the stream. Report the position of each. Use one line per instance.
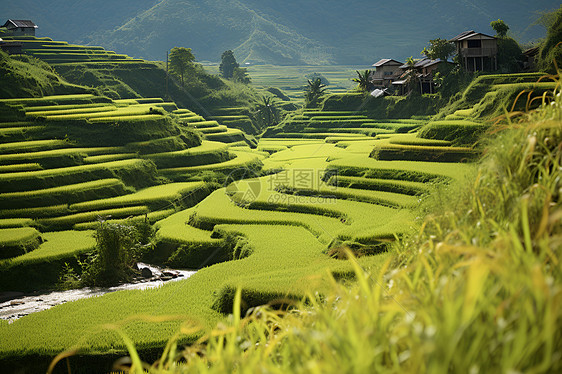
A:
(14, 305)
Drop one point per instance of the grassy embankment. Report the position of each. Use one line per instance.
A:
(477, 288)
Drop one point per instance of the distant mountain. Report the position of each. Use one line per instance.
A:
(269, 31)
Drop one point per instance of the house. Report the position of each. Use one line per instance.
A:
(477, 51)
(386, 71)
(425, 69)
(531, 55)
(20, 27)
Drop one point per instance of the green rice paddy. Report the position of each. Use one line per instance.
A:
(315, 183)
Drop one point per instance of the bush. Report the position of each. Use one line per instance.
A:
(117, 250)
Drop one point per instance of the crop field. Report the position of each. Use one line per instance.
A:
(322, 181)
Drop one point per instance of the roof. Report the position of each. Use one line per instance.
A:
(470, 34)
(531, 51)
(385, 61)
(17, 23)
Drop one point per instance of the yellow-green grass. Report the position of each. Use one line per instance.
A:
(397, 186)
(192, 119)
(320, 135)
(207, 152)
(17, 124)
(275, 268)
(457, 131)
(15, 222)
(42, 267)
(10, 132)
(68, 221)
(205, 124)
(138, 110)
(219, 208)
(18, 240)
(52, 98)
(158, 197)
(67, 194)
(37, 212)
(32, 146)
(49, 108)
(392, 199)
(108, 158)
(176, 229)
(212, 130)
(20, 167)
(56, 245)
(308, 151)
(424, 153)
(26, 181)
(289, 142)
(55, 112)
(345, 139)
(242, 160)
(151, 218)
(54, 154)
(419, 171)
(228, 136)
(272, 198)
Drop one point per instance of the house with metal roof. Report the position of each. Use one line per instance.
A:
(477, 51)
(425, 69)
(20, 27)
(386, 71)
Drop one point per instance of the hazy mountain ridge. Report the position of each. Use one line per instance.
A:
(266, 31)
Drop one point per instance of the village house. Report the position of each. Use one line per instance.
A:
(17, 27)
(386, 71)
(477, 51)
(425, 69)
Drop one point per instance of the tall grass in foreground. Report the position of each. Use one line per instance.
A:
(478, 289)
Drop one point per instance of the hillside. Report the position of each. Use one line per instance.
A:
(351, 32)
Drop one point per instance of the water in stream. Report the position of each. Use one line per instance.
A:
(22, 305)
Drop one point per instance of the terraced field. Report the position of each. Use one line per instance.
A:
(322, 182)
(68, 161)
(55, 52)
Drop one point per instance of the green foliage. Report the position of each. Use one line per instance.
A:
(118, 247)
(181, 62)
(500, 27)
(550, 53)
(439, 48)
(228, 64)
(313, 93)
(510, 55)
(363, 80)
(241, 75)
(267, 114)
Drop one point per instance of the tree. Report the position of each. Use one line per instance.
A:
(266, 112)
(241, 75)
(439, 48)
(411, 75)
(313, 92)
(181, 62)
(550, 53)
(364, 80)
(228, 64)
(500, 27)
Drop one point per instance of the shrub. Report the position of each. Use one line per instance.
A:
(117, 250)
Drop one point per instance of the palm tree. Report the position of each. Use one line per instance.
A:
(364, 80)
(313, 92)
(266, 112)
(411, 75)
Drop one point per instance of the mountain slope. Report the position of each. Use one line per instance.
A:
(266, 31)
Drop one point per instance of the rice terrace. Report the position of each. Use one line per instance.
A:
(313, 187)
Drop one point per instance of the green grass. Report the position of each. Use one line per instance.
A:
(242, 160)
(419, 171)
(130, 171)
(15, 222)
(17, 241)
(68, 221)
(67, 194)
(42, 267)
(156, 197)
(32, 146)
